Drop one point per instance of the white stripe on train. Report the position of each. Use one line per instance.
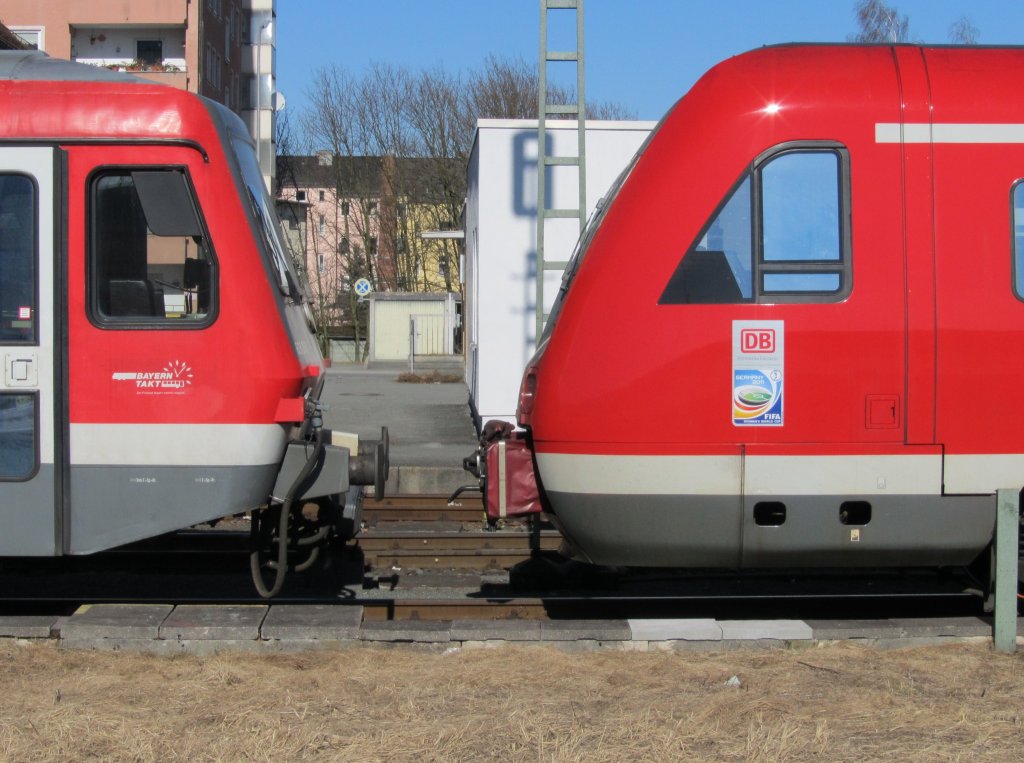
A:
(151, 444)
(918, 474)
(949, 132)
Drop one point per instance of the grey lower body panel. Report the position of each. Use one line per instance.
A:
(114, 505)
(721, 532)
(28, 516)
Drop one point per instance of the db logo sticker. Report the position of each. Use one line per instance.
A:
(758, 369)
(757, 340)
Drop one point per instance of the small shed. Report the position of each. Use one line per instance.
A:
(404, 325)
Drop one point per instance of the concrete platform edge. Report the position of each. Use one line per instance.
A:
(297, 628)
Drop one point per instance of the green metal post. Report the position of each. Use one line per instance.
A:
(1007, 538)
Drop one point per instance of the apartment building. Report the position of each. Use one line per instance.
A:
(221, 49)
(365, 217)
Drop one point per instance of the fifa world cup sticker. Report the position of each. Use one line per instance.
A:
(758, 361)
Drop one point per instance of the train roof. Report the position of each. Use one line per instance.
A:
(36, 66)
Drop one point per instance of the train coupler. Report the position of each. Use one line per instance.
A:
(503, 464)
(339, 460)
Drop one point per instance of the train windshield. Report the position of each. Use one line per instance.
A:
(263, 209)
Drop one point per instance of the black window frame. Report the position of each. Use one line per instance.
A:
(759, 267)
(141, 322)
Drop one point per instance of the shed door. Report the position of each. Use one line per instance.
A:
(30, 462)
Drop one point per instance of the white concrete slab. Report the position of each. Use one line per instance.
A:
(782, 630)
(696, 629)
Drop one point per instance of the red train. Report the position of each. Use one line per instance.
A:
(790, 339)
(160, 367)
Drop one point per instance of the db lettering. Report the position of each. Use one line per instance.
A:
(757, 340)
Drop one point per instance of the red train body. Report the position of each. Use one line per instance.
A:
(159, 356)
(789, 339)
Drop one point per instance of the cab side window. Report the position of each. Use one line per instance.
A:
(1018, 239)
(782, 235)
(150, 261)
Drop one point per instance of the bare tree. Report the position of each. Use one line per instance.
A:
(395, 146)
(508, 89)
(880, 23)
(344, 236)
(963, 32)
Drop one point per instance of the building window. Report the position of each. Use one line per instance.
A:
(371, 208)
(323, 224)
(344, 247)
(320, 263)
(321, 195)
(372, 245)
(149, 52)
(782, 235)
(344, 209)
(149, 259)
(300, 195)
(30, 35)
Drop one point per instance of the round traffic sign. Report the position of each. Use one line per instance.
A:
(363, 287)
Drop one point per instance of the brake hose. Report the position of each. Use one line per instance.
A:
(281, 566)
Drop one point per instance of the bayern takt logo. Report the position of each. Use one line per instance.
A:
(175, 376)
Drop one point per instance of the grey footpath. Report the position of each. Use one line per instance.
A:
(205, 629)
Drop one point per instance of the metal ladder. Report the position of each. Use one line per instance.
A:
(544, 161)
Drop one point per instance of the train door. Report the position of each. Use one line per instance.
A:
(30, 454)
(146, 413)
(977, 139)
(979, 308)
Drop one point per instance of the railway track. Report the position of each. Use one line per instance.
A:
(426, 532)
(421, 508)
(420, 559)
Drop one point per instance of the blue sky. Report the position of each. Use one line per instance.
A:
(643, 54)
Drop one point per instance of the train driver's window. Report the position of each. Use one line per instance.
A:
(781, 235)
(717, 269)
(801, 233)
(150, 260)
(1018, 239)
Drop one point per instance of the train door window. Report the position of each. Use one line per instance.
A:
(1018, 239)
(150, 261)
(17, 259)
(18, 320)
(17, 436)
(780, 236)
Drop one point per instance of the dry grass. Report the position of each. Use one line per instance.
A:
(431, 377)
(836, 703)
